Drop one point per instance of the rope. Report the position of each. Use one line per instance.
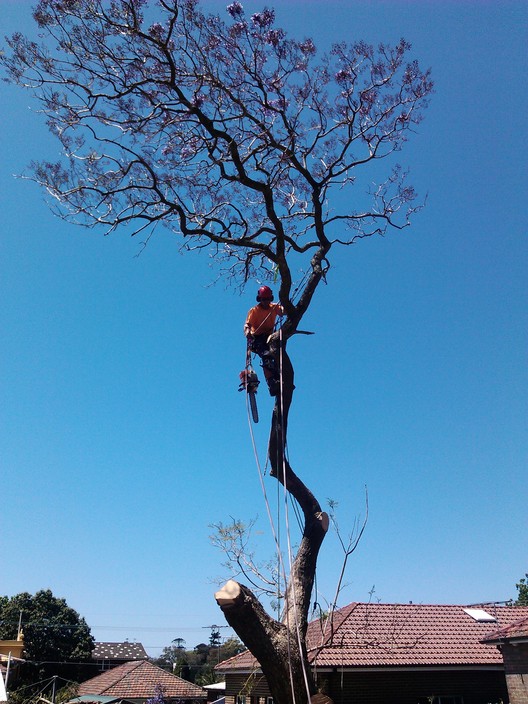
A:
(274, 533)
(270, 518)
(260, 473)
(281, 566)
(287, 522)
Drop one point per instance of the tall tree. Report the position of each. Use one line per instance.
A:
(235, 137)
(56, 638)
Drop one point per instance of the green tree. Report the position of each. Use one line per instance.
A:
(172, 656)
(235, 137)
(57, 640)
(197, 665)
(522, 591)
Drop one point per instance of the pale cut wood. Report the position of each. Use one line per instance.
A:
(228, 594)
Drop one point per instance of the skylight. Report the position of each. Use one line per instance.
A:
(480, 615)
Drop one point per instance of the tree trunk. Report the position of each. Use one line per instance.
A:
(275, 647)
(280, 646)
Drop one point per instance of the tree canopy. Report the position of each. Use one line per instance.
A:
(229, 133)
(197, 665)
(522, 591)
(54, 633)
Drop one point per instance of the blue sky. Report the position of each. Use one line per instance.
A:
(123, 436)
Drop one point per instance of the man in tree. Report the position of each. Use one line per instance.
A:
(259, 326)
(236, 138)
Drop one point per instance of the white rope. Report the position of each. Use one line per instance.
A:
(287, 522)
(277, 545)
(261, 478)
(282, 569)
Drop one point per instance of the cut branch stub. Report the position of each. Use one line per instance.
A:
(228, 595)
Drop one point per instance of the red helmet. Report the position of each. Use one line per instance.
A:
(264, 294)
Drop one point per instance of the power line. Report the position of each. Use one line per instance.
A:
(47, 624)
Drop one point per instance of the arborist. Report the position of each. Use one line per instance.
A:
(259, 325)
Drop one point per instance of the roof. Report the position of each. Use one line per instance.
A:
(217, 686)
(401, 635)
(95, 698)
(119, 651)
(517, 631)
(138, 680)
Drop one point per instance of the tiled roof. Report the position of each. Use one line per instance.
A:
(515, 631)
(119, 651)
(138, 680)
(401, 635)
(95, 698)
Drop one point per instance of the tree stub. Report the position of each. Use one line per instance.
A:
(229, 594)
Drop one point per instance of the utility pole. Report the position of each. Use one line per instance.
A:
(214, 639)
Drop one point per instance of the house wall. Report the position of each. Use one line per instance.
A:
(390, 687)
(415, 687)
(516, 667)
(254, 685)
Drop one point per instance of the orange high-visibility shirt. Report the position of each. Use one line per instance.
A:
(261, 321)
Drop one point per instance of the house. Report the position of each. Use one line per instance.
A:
(3, 691)
(12, 648)
(215, 692)
(11, 652)
(108, 655)
(512, 642)
(136, 682)
(395, 653)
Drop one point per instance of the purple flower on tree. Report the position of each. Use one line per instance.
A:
(156, 31)
(235, 10)
(307, 47)
(274, 36)
(264, 18)
(158, 697)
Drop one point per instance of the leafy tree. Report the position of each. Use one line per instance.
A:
(236, 138)
(197, 665)
(171, 656)
(56, 638)
(522, 591)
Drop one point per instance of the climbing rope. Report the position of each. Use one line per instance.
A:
(281, 571)
(287, 524)
(273, 530)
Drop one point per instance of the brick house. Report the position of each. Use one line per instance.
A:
(136, 682)
(397, 654)
(512, 642)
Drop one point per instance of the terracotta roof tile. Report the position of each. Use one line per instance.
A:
(409, 634)
(405, 635)
(137, 680)
(514, 631)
